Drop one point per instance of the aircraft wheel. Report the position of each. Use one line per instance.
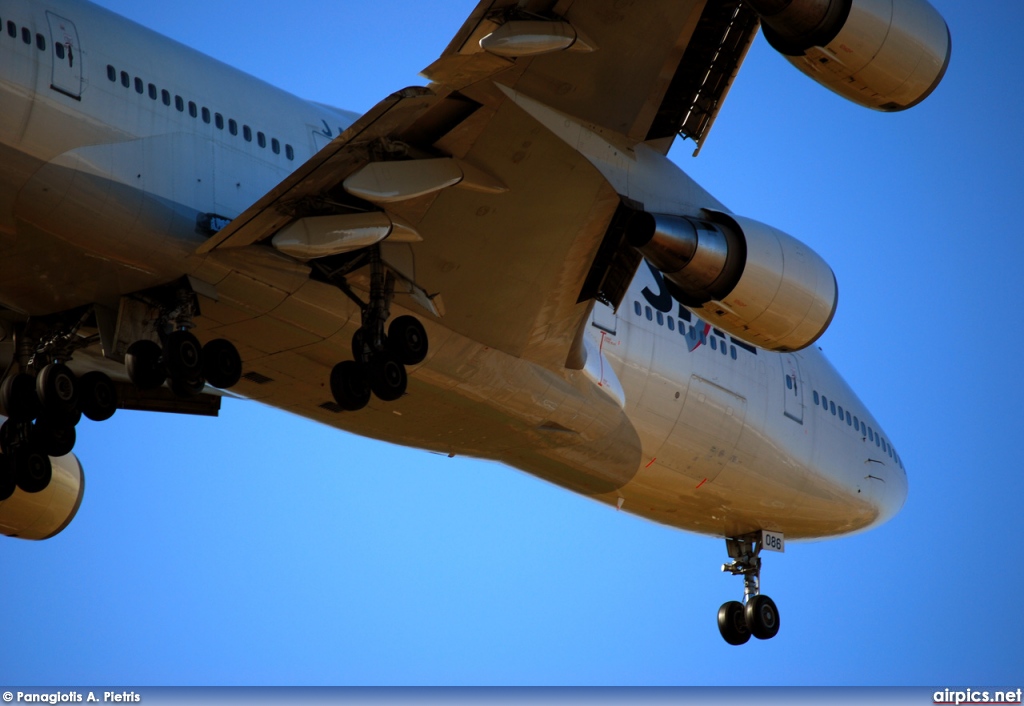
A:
(97, 396)
(144, 366)
(7, 480)
(57, 389)
(407, 340)
(183, 355)
(222, 366)
(32, 469)
(8, 435)
(360, 348)
(19, 399)
(387, 377)
(350, 385)
(732, 623)
(54, 439)
(187, 387)
(762, 617)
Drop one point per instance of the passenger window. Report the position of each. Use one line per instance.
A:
(26, 35)
(832, 408)
(140, 87)
(648, 313)
(193, 109)
(111, 71)
(856, 423)
(232, 127)
(59, 51)
(671, 323)
(289, 151)
(732, 351)
(41, 42)
(165, 97)
(12, 29)
(841, 415)
(824, 402)
(789, 382)
(714, 343)
(849, 420)
(179, 104)
(816, 398)
(206, 115)
(247, 133)
(661, 319)
(637, 309)
(275, 145)
(126, 80)
(878, 441)
(152, 91)
(721, 347)
(261, 139)
(218, 120)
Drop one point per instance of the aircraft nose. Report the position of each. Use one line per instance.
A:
(894, 494)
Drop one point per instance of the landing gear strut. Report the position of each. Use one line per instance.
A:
(757, 615)
(380, 359)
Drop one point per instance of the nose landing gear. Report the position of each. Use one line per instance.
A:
(757, 616)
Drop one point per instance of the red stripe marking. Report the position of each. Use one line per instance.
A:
(652, 462)
(701, 483)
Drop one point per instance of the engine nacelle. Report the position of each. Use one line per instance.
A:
(42, 515)
(883, 54)
(759, 284)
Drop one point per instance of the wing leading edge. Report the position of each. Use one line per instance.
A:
(512, 262)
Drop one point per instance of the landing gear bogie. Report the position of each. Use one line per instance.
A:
(732, 623)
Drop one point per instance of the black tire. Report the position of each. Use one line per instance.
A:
(19, 399)
(732, 623)
(97, 396)
(10, 434)
(144, 366)
(388, 379)
(7, 480)
(54, 439)
(57, 389)
(187, 388)
(762, 617)
(32, 469)
(183, 355)
(350, 385)
(407, 340)
(222, 366)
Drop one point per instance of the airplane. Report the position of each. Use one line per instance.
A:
(502, 264)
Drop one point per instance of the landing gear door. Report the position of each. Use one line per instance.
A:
(604, 318)
(67, 57)
(793, 389)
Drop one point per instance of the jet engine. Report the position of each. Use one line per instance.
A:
(758, 283)
(42, 515)
(883, 54)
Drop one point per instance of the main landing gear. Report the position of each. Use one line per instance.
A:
(379, 359)
(757, 615)
(44, 400)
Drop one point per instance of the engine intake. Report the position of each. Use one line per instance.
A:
(883, 54)
(754, 281)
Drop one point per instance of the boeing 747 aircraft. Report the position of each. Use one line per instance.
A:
(502, 264)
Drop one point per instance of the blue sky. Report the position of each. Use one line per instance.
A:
(260, 548)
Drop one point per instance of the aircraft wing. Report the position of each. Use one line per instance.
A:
(512, 247)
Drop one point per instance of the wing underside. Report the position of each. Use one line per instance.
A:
(511, 248)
